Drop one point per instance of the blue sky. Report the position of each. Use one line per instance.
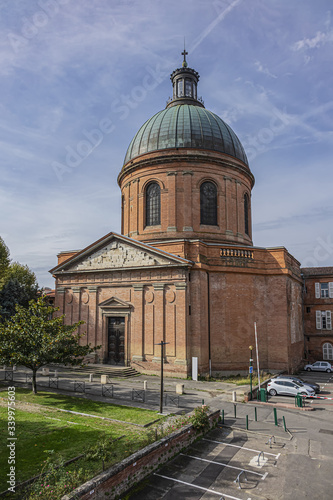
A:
(78, 79)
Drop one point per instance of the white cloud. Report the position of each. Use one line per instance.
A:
(319, 39)
(263, 70)
(64, 80)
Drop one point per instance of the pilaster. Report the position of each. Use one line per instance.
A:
(137, 342)
(172, 204)
(181, 322)
(188, 224)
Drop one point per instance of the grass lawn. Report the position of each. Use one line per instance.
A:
(41, 429)
(84, 405)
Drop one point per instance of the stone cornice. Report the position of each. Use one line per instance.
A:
(189, 155)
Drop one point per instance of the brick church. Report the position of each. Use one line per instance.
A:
(184, 269)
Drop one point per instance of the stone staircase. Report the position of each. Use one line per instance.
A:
(112, 371)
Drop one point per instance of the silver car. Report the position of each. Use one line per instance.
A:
(288, 388)
(319, 366)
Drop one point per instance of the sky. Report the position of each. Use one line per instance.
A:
(78, 79)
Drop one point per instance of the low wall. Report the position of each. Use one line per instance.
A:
(133, 469)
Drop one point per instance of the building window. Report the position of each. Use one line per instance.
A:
(324, 290)
(308, 309)
(208, 204)
(153, 204)
(323, 320)
(180, 86)
(327, 351)
(246, 214)
(188, 88)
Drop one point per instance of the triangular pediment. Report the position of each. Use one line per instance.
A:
(114, 303)
(118, 252)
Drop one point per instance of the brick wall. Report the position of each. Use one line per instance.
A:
(119, 478)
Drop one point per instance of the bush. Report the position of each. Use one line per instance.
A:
(200, 420)
(55, 481)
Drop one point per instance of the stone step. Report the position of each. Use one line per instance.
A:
(112, 371)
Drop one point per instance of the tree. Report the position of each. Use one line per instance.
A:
(23, 274)
(14, 292)
(4, 262)
(33, 338)
(18, 284)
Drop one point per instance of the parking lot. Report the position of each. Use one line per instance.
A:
(325, 380)
(232, 462)
(225, 464)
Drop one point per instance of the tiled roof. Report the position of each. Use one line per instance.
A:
(317, 271)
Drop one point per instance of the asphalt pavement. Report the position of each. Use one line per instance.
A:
(295, 464)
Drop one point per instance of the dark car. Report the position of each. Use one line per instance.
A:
(299, 380)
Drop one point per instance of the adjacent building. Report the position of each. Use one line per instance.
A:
(318, 311)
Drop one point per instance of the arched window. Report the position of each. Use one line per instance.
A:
(208, 204)
(246, 213)
(327, 351)
(153, 204)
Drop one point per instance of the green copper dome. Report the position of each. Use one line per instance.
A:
(185, 126)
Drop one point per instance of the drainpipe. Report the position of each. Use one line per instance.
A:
(208, 318)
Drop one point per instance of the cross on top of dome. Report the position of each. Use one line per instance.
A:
(185, 83)
(184, 53)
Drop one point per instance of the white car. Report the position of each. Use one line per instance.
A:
(288, 388)
(319, 366)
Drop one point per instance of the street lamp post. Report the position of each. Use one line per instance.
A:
(251, 369)
(162, 344)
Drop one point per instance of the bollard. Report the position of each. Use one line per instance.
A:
(284, 424)
(237, 480)
(247, 422)
(275, 417)
(234, 396)
(222, 416)
(105, 379)
(255, 413)
(91, 377)
(202, 402)
(145, 385)
(272, 438)
(263, 456)
(235, 411)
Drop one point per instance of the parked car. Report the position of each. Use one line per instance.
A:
(288, 388)
(319, 366)
(299, 380)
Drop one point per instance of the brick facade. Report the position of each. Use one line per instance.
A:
(318, 301)
(198, 286)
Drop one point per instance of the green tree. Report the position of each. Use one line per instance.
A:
(33, 338)
(13, 293)
(18, 284)
(23, 274)
(4, 262)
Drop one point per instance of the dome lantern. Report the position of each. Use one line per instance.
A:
(185, 84)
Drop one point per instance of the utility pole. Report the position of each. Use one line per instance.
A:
(251, 370)
(162, 344)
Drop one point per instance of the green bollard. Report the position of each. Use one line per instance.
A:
(222, 416)
(255, 413)
(284, 424)
(235, 411)
(247, 422)
(275, 417)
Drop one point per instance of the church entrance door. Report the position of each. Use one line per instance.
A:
(116, 340)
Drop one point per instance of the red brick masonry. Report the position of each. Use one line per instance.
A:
(133, 469)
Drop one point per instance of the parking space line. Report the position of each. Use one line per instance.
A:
(241, 447)
(198, 487)
(225, 465)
